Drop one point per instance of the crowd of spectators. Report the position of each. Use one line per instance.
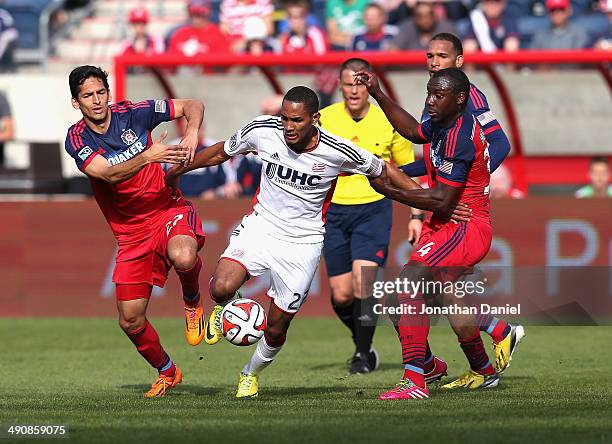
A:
(296, 27)
(292, 27)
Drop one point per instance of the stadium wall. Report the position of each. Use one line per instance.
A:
(56, 257)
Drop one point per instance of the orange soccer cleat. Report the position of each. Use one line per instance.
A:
(164, 383)
(195, 325)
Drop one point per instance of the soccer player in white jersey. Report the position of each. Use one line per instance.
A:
(284, 233)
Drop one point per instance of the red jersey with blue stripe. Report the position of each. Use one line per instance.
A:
(459, 156)
(130, 206)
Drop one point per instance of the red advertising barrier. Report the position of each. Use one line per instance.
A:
(56, 258)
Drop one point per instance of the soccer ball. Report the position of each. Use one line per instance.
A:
(243, 322)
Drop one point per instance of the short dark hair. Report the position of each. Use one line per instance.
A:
(356, 64)
(297, 3)
(452, 38)
(599, 159)
(82, 73)
(375, 6)
(458, 80)
(305, 95)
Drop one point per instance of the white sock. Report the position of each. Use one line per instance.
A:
(263, 357)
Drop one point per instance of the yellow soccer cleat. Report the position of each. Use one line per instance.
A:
(213, 333)
(163, 383)
(195, 326)
(248, 386)
(506, 347)
(473, 380)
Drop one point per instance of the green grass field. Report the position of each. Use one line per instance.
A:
(86, 374)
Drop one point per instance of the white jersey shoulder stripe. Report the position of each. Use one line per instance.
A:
(343, 148)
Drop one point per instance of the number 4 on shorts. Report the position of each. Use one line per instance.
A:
(425, 249)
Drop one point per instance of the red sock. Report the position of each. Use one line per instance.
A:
(500, 330)
(147, 343)
(497, 328)
(474, 351)
(413, 332)
(190, 284)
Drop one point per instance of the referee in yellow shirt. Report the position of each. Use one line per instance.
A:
(358, 224)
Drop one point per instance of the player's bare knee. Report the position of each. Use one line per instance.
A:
(221, 288)
(342, 298)
(131, 324)
(182, 258)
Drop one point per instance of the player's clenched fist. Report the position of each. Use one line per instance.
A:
(161, 153)
(369, 80)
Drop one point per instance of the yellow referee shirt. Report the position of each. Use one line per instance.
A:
(373, 133)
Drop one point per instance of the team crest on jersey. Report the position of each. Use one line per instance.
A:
(436, 155)
(129, 137)
(85, 152)
(318, 168)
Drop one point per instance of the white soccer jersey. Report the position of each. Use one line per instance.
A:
(296, 188)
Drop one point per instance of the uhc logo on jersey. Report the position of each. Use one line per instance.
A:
(288, 176)
(129, 137)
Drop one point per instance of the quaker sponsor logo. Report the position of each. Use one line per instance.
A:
(127, 154)
(85, 152)
(129, 137)
(288, 176)
(436, 155)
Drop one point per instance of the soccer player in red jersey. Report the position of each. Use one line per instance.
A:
(458, 168)
(446, 51)
(155, 227)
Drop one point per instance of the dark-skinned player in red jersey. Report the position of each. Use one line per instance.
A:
(459, 173)
(446, 51)
(155, 227)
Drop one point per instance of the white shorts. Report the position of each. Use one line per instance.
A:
(292, 266)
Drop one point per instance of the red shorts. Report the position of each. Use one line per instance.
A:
(448, 244)
(146, 260)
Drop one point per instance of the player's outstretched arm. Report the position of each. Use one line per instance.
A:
(193, 111)
(158, 152)
(213, 155)
(442, 200)
(402, 121)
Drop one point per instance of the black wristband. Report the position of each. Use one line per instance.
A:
(420, 217)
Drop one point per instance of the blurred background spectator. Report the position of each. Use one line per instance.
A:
(501, 185)
(416, 32)
(140, 41)
(599, 180)
(8, 41)
(377, 35)
(343, 18)
(301, 38)
(561, 34)
(235, 13)
(604, 39)
(199, 35)
(491, 28)
(255, 35)
(7, 126)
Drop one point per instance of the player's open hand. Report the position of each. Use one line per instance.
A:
(415, 227)
(369, 79)
(159, 152)
(190, 142)
(462, 213)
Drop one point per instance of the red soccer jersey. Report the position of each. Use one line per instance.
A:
(130, 207)
(459, 156)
